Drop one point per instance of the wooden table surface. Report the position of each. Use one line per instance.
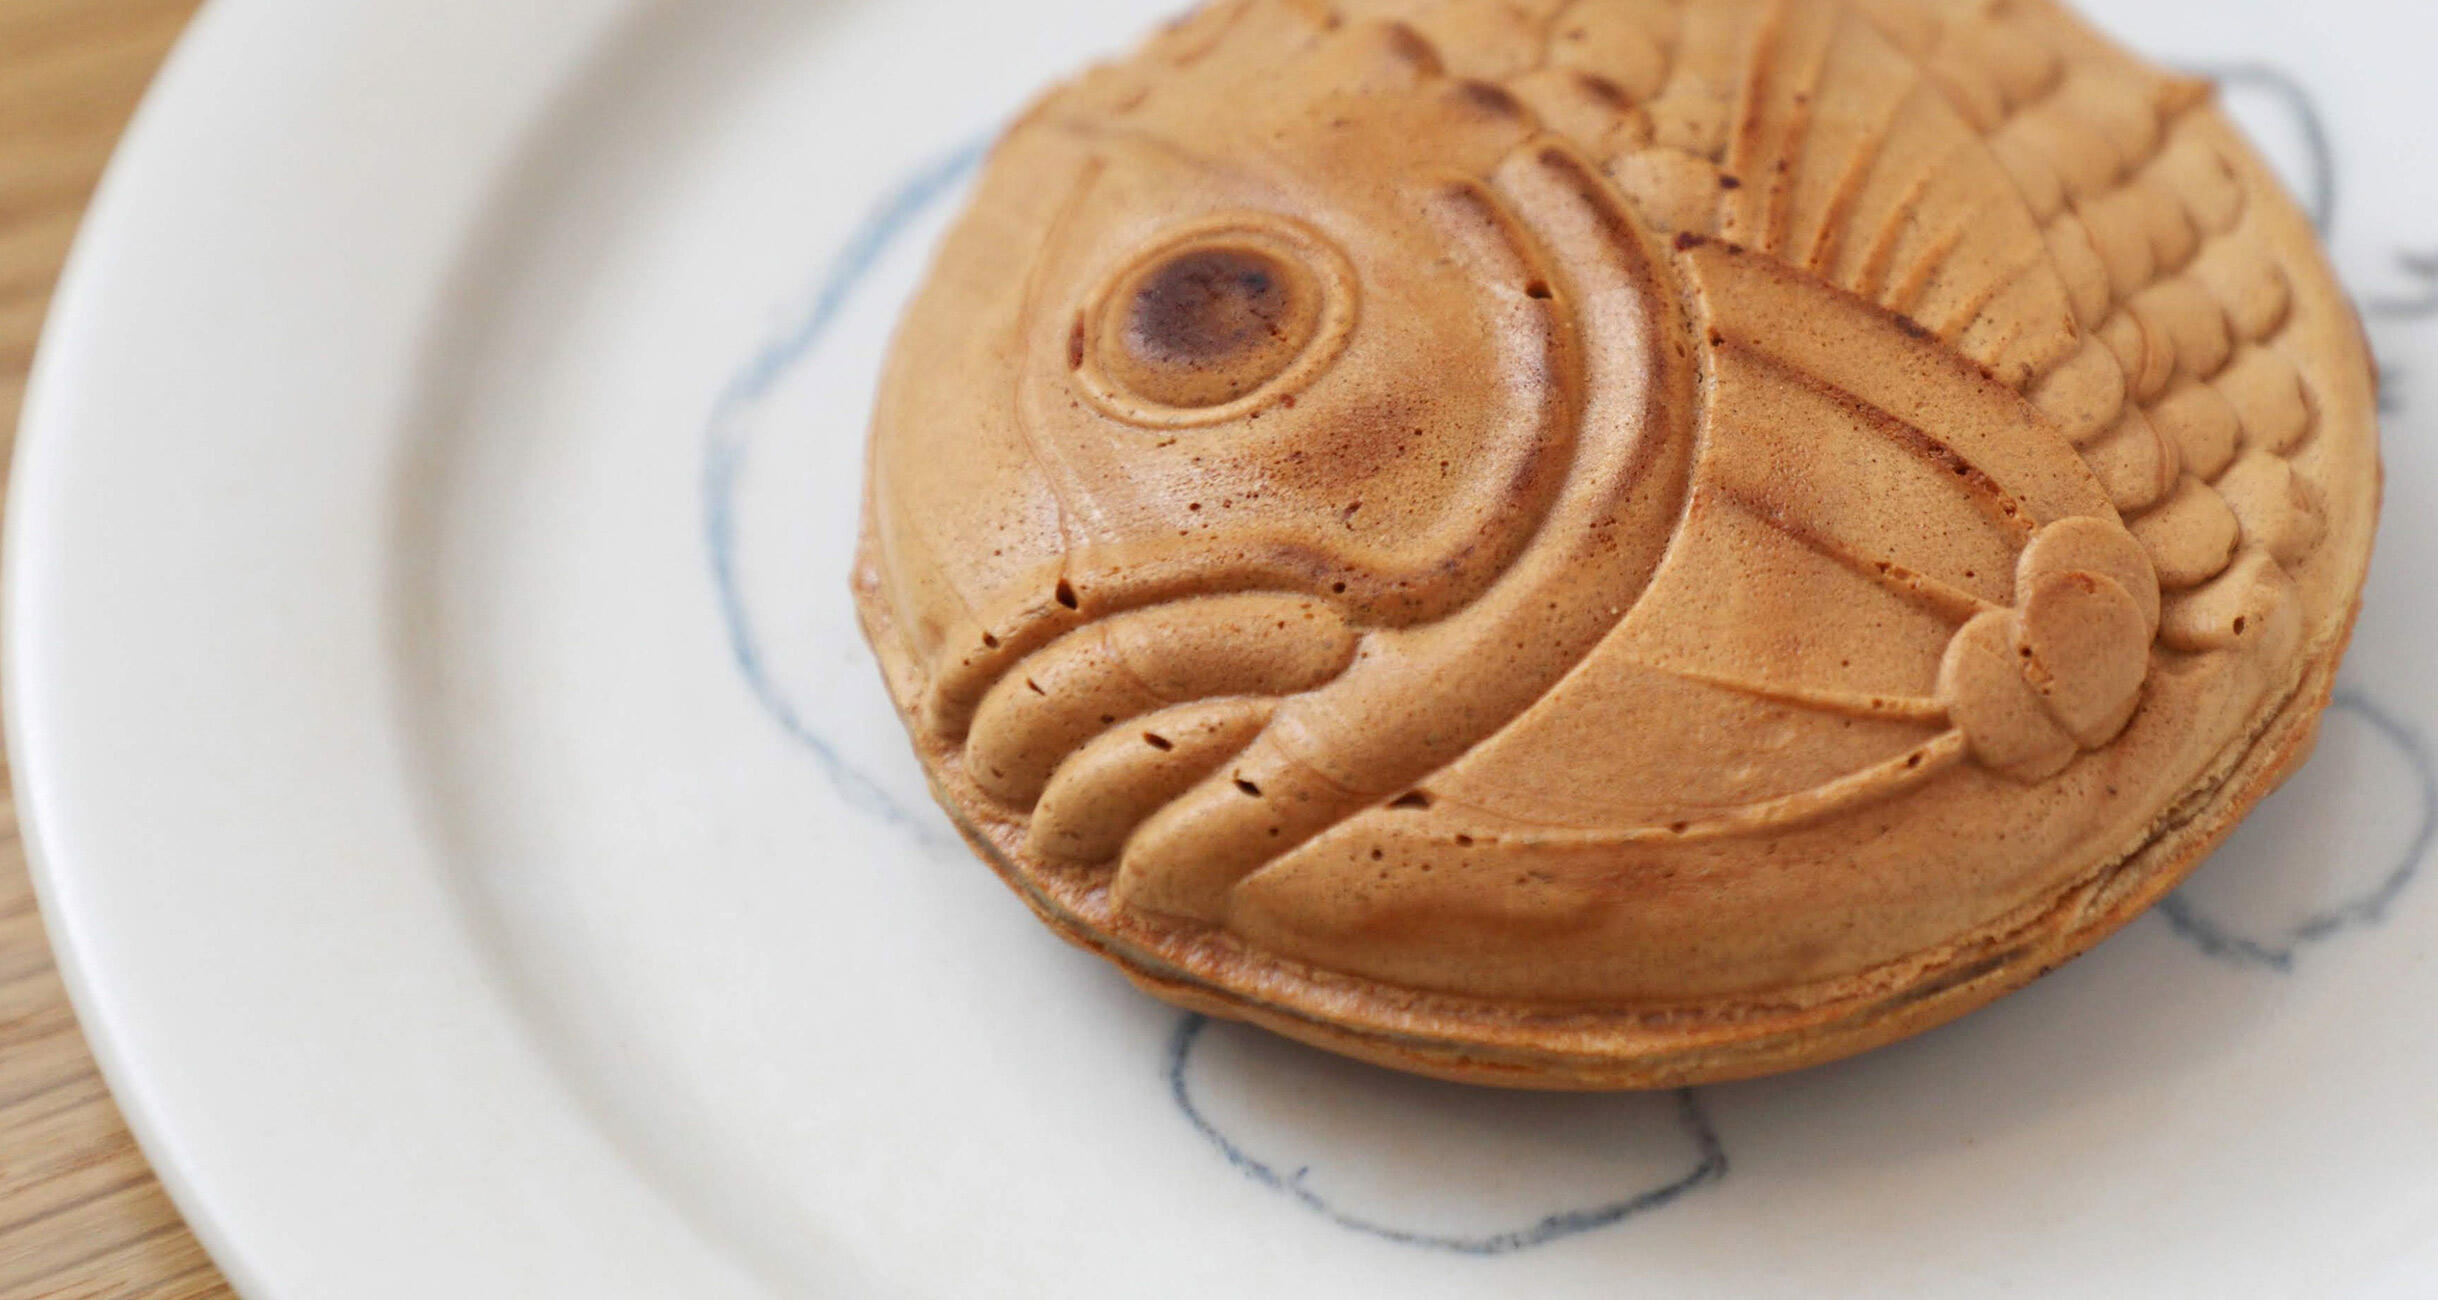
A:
(81, 1217)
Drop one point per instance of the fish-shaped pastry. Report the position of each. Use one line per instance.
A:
(1607, 543)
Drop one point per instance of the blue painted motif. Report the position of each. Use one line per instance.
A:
(727, 460)
(2277, 951)
(1709, 1167)
(2296, 101)
(2420, 302)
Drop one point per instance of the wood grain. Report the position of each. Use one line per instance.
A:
(81, 1217)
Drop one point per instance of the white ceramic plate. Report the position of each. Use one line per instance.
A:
(484, 860)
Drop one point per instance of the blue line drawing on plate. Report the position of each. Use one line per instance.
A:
(728, 447)
(1691, 1120)
(2322, 173)
(2287, 91)
(2417, 303)
(2277, 951)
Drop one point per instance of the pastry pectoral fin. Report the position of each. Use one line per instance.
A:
(1188, 856)
(1109, 787)
(1051, 703)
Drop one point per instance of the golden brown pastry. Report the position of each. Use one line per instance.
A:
(1615, 543)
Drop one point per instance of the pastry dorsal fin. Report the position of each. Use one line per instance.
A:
(1841, 151)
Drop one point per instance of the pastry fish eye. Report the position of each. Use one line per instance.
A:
(1214, 322)
(1204, 326)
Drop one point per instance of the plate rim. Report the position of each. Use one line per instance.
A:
(239, 59)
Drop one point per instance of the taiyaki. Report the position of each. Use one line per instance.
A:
(1615, 543)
